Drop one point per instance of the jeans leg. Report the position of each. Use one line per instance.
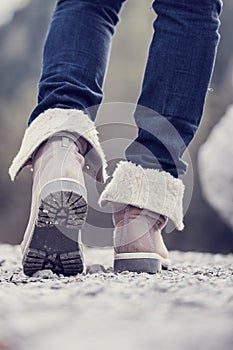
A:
(178, 72)
(76, 54)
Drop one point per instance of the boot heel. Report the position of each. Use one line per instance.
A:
(137, 262)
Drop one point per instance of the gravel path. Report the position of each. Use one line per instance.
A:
(188, 308)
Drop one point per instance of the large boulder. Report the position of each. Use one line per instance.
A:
(215, 164)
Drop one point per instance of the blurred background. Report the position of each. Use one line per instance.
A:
(23, 26)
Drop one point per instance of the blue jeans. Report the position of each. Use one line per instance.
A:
(177, 75)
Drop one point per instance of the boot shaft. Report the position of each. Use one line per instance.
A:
(59, 158)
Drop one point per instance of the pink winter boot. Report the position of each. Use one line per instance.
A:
(58, 208)
(59, 145)
(142, 200)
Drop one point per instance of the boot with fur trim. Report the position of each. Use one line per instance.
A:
(59, 145)
(143, 200)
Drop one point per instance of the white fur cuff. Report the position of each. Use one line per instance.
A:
(56, 120)
(150, 189)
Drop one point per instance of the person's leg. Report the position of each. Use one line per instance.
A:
(169, 110)
(176, 80)
(61, 141)
(76, 54)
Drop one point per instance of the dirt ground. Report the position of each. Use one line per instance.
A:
(187, 308)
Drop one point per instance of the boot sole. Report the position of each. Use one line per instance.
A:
(54, 243)
(140, 262)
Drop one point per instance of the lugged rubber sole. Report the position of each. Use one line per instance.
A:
(139, 262)
(54, 244)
